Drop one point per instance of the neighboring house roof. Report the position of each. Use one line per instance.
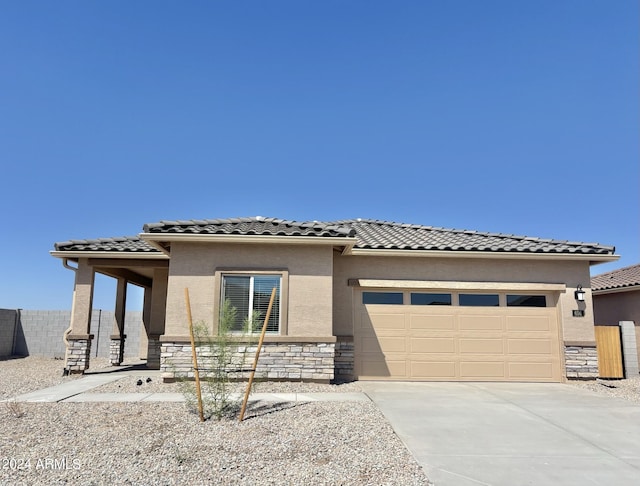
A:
(617, 279)
(369, 235)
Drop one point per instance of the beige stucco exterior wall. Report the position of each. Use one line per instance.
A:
(309, 268)
(610, 309)
(570, 273)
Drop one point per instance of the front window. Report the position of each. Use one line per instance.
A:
(249, 293)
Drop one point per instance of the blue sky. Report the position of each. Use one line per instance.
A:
(501, 116)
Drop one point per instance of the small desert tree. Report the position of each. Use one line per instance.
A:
(222, 358)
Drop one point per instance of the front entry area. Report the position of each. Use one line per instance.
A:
(407, 335)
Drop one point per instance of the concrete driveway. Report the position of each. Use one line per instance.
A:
(511, 434)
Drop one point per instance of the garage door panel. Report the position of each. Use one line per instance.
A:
(432, 322)
(433, 345)
(433, 369)
(386, 321)
(482, 369)
(528, 323)
(481, 346)
(364, 325)
(390, 344)
(388, 368)
(530, 346)
(480, 322)
(529, 370)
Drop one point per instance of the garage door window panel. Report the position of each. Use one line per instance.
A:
(393, 298)
(422, 298)
(526, 301)
(479, 300)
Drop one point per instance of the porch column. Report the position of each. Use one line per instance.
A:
(157, 313)
(116, 349)
(79, 336)
(146, 315)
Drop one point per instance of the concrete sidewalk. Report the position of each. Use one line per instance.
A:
(254, 397)
(79, 391)
(70, 388)
(506, 434)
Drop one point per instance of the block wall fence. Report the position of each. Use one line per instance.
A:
(40, 332)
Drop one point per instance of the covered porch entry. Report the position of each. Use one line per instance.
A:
(149, 271)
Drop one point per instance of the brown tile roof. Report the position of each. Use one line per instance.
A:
(250, 226)
(617, 279)
(369, 234)
(125, 244)
(398, 236)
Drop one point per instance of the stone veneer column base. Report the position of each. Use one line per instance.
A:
(278, 361)
(344, 360)
(581, 361)
(78, 355)
(116, 350)
(153, 352)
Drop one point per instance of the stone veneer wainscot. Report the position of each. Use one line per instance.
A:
(581, 360)
(305, 361)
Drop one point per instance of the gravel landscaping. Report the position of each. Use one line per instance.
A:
(24, 375)
(628, 389)
(338, 443)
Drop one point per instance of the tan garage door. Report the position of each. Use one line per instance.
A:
(456, 343)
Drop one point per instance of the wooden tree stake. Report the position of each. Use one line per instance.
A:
(255, 361)
(194, 354)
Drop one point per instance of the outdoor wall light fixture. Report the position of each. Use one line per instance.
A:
(580, 294)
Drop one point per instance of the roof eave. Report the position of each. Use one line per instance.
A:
(109, 254)
(156, 239)
(470, 285)
(592, 258)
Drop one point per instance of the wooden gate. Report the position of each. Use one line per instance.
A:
(609, 352)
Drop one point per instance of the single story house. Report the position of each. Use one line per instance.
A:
(356, 299)
(616, 298)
